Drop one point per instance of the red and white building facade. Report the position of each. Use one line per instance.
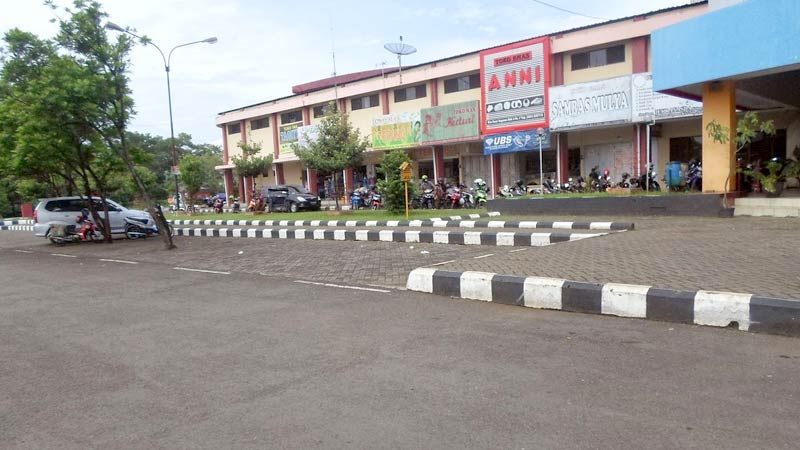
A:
(477, 115)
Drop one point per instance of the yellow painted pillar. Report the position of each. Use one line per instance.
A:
(719, 160)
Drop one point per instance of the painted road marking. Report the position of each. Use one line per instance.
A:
(63, 255)
(119, 261)
(517, 250)
(357, 288)
(483, 256)
(443, 262)
(23, 251)
(201, 270)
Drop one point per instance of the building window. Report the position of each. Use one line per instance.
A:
(321, 110)
(234, 128)
(462, 83)
(409, 93)
(599, 57)
(292, 117)
(258, 124)
(367, 101)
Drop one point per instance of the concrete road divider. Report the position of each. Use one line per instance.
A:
(747, 312)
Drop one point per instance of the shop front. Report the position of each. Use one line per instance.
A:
(515, 82)
(448, 132)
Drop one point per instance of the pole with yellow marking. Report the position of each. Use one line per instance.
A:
(405, 172)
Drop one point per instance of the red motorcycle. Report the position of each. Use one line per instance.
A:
(61, 234)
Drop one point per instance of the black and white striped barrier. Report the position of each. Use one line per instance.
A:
(436, 223)
(16, 227)
(720, 309)
(338, 223)
(16, 222)
(499, 238)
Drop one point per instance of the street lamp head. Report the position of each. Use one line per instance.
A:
(211, 40)
(540, 132)
(113, 26)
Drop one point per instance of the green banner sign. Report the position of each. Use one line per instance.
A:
(450, 123)
(395, 131)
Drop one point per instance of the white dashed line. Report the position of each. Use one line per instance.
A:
(201, 270)
(518, 250)
(23, 251)
(342, 287)
(483, 256)
(119, 261)
(63, 255)
(443, 262)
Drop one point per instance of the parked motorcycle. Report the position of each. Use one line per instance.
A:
(454, 197)
(481, 193)
(61, 234)
(428, 199)
(694, 177)
(648, 180)
(136, 228)
(519, 188)
(625, 183)
(376, 200)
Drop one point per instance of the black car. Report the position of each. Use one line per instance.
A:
(289, 198)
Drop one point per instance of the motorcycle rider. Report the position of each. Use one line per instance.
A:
(425, 184)
(440, 193)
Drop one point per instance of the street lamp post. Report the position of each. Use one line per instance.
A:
(166, 59)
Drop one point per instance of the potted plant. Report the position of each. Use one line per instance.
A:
(773, 176)
(747, 129)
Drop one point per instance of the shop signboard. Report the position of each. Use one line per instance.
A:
(596, 103)
(288, 137)
(515, 141)
(649, 105)
(514, 86)
(307, 134)
(450, 123)
(399, 130)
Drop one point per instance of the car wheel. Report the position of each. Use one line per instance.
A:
(134, 232)
(293, 207)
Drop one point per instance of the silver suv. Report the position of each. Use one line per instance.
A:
(64, 210)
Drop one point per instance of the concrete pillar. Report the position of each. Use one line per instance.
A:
(495, 168)
(311, 174)
(719, 160)
(348, 179)
(563, 147)
(242, 192)
(275, 139)
(228, 177)
(438, 161)
(279, 173)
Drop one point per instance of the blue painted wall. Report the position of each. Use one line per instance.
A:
(748, 37)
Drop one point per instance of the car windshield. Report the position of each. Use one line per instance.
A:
(299, 189)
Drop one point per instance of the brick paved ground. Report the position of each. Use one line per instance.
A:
(743, 254)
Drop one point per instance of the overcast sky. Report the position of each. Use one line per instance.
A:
(266, 47)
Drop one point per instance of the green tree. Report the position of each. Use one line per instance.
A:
(392, 186)
(250, 165)
(105, 64)
(338, 146)
(194, 174)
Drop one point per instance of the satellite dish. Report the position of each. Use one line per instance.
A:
(400, 49)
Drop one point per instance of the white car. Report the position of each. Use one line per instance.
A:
(64, 210)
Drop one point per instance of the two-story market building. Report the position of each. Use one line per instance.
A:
(478, 115)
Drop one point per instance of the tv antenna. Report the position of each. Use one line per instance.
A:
(382, 64)
(400, 49)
